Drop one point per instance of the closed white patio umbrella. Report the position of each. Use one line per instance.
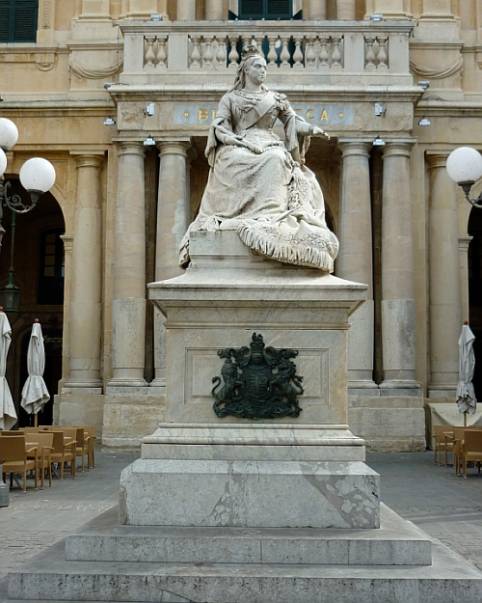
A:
(466, 400)
(8, 414)
(34, 392)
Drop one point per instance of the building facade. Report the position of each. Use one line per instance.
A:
(119, 94)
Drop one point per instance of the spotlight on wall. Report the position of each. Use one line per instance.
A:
(376, 17)
(150, 109)
(379, 109)
(424, 84)
(107, 85)
(109, 121)
(424, 122)
(378, 142)
(149, 141)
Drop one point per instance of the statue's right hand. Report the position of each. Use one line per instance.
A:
(255, 148)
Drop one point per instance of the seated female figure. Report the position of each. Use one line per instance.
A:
(258, 184)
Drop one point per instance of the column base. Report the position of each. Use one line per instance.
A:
(117, 386)
(367, 387)
(76, 388)
(400, 387)
(442, 391)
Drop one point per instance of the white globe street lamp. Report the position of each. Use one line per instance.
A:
(464, 166)
(37, 176)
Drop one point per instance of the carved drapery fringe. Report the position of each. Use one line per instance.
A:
(91, 73)
(265, 238)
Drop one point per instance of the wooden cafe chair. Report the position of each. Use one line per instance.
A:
(471, 450)
(63, 452)
(14, 458)
(42, 445)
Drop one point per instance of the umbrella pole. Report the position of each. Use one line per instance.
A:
(35, 419)
(465, 419)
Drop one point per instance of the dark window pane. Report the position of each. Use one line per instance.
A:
(18, 20)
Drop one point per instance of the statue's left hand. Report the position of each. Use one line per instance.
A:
(320, 132)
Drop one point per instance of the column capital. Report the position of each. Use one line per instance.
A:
(174, 147)
(131, 147)
(397, 149)
(93, 159)
(68, 241)
(437, 159)
(354, 147)
(464, 242)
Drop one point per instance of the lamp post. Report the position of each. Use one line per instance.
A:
(37, 176)
(464, 166)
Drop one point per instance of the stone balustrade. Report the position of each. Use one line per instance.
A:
(302, 47)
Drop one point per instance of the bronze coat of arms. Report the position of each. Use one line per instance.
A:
(257, 382)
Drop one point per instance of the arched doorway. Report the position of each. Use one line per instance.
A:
(475, 293)
(38, 263)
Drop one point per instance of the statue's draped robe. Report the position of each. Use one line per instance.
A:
(274, 204)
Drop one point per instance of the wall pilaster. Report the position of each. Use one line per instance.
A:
(86, 277)
(445, 315)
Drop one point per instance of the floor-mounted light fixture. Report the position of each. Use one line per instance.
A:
(464, 166)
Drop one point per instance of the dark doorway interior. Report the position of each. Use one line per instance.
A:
(38, 263)
(475, 293)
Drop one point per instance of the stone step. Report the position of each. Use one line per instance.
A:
(397, 542)
(50, 578)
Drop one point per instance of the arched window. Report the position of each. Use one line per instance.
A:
(265, 9)
(51, 285)
(18, 20)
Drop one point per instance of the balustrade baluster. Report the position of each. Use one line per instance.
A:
(207, 54)
(196, 53)
(382, 56)
(272, 55)
(298, 54)
(233, 56)
(369, 54)
(149, 52)
(310, 54)
(336, 54)
(221, 54)
(324, 56)
(162, 53)
(285, 53)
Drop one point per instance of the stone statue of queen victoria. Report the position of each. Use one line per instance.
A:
(258, 184)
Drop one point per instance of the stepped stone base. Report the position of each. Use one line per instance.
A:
(122, 564)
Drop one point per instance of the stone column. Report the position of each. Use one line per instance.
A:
(85, 292)
(95, 9)
(437, 9)
(314, 10)
(345, 9)
(68, 246)
(398, 303)
(355, 257)
(390, 9)
(173, 216)
(186, 10)
(129, 270)
(464, 243)
(445, 316)
(215, 10)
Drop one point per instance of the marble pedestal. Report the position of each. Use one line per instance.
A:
(209, 472)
